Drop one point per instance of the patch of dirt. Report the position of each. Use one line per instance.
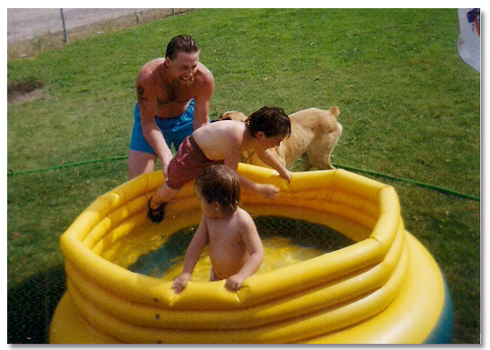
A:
(27, 92)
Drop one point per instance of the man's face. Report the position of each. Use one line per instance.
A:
(184, 67)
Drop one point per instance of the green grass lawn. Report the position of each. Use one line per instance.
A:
(410, 108)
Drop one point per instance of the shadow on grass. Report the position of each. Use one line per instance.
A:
(31, 305)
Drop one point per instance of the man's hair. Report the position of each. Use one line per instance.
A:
(218, 183)
(272, 121)
(181, 43)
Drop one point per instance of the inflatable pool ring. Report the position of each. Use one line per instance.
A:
(384, 288)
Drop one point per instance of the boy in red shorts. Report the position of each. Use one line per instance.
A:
(222, 143)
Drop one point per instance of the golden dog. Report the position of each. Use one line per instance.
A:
(314, 134)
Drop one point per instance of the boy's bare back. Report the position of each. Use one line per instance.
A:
(222, 140)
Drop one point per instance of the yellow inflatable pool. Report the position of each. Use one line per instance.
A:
(383, 288)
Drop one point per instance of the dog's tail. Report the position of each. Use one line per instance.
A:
(334, 111)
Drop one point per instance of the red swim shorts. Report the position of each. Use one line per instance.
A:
(187, 164)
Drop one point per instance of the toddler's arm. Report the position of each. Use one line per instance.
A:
(253, 243)
(191, 257)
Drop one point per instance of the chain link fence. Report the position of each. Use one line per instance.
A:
(32, 29)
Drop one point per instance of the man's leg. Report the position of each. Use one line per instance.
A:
(142, 158)
(140, 163)
(175, 130)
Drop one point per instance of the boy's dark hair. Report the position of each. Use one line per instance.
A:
(272, 121)
(181, 43)
(218, 183)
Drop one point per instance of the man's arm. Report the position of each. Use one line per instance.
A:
(203, 100)
(147, 103)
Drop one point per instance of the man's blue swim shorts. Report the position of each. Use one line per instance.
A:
(174, 130)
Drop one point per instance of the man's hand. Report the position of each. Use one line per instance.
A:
(165, 162)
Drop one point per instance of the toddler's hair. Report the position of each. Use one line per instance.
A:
(272, 121)
(218, 183)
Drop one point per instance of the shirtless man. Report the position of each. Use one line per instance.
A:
(235, 248)
(222, 143)
(173, 100)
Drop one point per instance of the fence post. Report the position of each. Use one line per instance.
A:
(65, 38)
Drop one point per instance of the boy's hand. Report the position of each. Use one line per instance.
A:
(287, 175)
(180, 282)
(269, 191)
(234, 282)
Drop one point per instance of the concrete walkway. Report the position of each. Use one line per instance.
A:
(25, 23)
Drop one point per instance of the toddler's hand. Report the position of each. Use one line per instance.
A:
(180, 282)
(234, 282)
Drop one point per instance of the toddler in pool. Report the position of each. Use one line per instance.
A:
(235, 248)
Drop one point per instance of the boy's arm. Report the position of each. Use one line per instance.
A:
(191, 257)
(232, 157)
(253, 243)
(268, 158)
